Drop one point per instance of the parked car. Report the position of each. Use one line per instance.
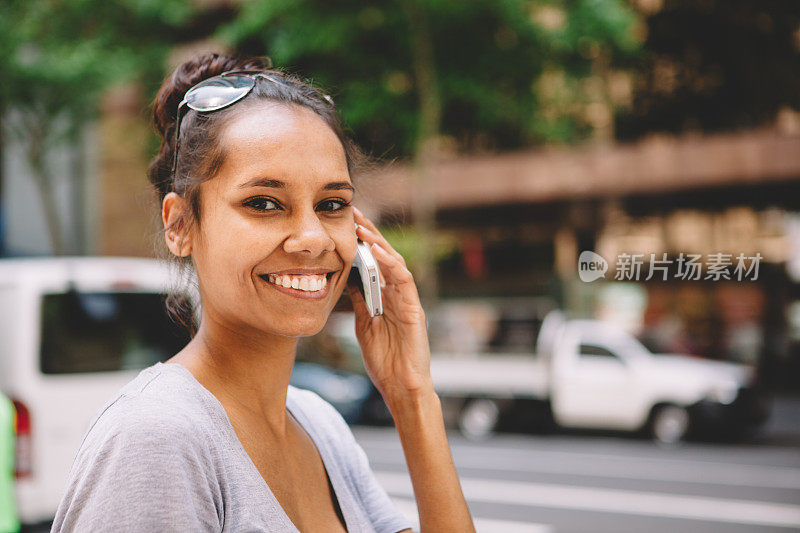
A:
(352, 394)
(74, 331)
(589, 374)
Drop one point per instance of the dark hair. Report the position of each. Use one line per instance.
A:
(201, 154)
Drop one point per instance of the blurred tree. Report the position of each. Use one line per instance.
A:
(418, 77)
(715, 65)
(58, 57)
(486, 63)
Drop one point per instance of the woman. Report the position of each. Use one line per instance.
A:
(256, 192)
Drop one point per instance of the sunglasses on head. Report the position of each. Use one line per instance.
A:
(217, 93)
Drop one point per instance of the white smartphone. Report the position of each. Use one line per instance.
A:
(364, 274)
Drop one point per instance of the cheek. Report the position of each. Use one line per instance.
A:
(346, 246)
(230, 247)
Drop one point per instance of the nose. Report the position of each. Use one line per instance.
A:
(307, 234)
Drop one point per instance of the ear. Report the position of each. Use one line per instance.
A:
(175, 214)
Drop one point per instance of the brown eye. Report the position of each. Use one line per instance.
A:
(260, 203)
(338, 204)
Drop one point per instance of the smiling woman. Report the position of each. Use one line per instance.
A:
(254, 176)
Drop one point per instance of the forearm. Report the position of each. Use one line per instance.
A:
(440, 500)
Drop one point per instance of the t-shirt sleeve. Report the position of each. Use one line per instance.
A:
(383, 514)
(140, 474)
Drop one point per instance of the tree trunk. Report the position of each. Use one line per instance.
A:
(41, 177)
(79, 202)
(424, 204)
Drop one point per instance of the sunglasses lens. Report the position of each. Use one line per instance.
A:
(218, 92)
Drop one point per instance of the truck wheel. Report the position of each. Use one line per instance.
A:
(670, 424)
(478, 418)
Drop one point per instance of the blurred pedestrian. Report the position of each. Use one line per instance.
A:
(9, 521)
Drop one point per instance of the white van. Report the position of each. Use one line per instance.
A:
(72, 332)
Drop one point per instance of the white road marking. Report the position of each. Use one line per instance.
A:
(612, 500)
(482, 525)
(601, 465)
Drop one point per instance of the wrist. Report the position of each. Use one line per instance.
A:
(400, 391)
(411, 404)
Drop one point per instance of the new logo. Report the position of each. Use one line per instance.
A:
(591, 266)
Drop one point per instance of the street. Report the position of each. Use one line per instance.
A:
(579, 482)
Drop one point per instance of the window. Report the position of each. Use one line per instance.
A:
(106, 332)
(592, 350)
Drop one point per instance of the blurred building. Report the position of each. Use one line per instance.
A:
(522, 219)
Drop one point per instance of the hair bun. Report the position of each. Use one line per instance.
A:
(172, 91)
(189, 74)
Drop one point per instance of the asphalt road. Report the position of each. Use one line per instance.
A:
(589, 482)
(582, 482)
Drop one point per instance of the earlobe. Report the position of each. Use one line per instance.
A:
(178, 244)
(174, 215)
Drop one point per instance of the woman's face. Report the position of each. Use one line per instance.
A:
(279, 204)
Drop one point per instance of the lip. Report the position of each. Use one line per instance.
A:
(297, 293)
(303, 271)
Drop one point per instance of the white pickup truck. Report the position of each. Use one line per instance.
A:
(590, 374)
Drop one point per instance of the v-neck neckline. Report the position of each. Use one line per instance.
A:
(334, 480)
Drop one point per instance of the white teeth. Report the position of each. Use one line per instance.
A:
(303, 283)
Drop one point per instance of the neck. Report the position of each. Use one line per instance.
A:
(249, 374)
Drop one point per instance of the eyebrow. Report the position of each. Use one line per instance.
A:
(278, 184)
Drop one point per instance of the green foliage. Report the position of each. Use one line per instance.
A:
(407, 241)
(489, 55)
(58, 57)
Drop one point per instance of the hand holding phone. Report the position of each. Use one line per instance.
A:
(364, 274)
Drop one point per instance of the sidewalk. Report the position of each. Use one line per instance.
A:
(782, 428)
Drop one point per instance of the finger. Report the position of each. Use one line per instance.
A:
(359, 305)
(369, 239)
(367, 235)
(363, 221)
(399, 275)
(368, 232)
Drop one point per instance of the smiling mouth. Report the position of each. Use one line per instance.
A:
(298, 284)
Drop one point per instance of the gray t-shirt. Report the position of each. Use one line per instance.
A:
(162, 455)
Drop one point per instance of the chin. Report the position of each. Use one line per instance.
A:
(305, 326)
